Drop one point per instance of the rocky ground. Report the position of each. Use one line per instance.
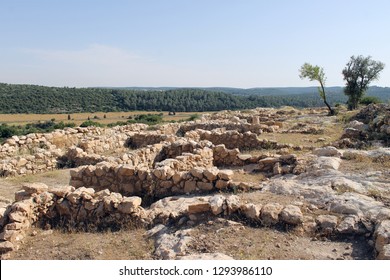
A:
(259, 184)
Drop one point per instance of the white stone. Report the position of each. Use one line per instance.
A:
(328, 151)
(291, 214)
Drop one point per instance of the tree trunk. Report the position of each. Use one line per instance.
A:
(331, 111)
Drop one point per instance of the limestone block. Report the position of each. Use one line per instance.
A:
(17, 216)
(225, 174)
(270, 213)
(189, 186)
(232, 204)
(251, 211)
(33, 188)
(205, 186)
(291, 214)
(177, 177)
(349, 225)
(199, 207)
(197, 173)
(126, 170)
(221, 184)
(62, 191)
(25, 207)
(328, 151)
(129, 204)
(22, 195)
(211, 174)
(216, 204)
(382, 235)
(327, 222)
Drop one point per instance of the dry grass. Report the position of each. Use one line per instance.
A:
(57, 245)
(249, 243)
(78, 118)
(331, 133)
(9, 185)
(249, 177)
(361, 162)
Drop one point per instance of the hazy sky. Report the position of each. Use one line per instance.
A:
(246, 43)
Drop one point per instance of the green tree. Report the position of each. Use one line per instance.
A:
(359, 72)
(316, 73)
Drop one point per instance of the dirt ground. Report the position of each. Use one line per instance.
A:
(250, 243)
(58, 245)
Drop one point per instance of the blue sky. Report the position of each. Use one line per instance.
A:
(245, 43)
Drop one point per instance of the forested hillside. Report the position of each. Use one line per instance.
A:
(41, 99)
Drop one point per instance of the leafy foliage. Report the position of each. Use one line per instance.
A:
(316, 73)
(91, 123)
(7, 131)
(366, 100)
(359, 72)
(49, 100)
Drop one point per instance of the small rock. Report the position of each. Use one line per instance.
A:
(270, 213)
(292, 215)
(37, 188)
(200, 207)
(216, 203)
(251, 211)
(225, 174)
(129, 204)
(327, 222)
(328, 151)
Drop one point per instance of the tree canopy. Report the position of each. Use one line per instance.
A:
(359, 72)
(316, 73)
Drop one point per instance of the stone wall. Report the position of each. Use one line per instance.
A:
(240, 127)
(201, 157)
(275, 164)
(39, 160)
(90, 210)
(39, 152)
(233, 139)
(66, 207)
(159, 182)
(139, 140)
(90, 139)
(371, 123)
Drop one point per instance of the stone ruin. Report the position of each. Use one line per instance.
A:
(180, 174)
(370, 124)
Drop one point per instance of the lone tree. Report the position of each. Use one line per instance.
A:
(316, 73)
(359, 72)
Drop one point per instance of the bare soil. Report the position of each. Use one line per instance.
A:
(252, 243)
(58, 245)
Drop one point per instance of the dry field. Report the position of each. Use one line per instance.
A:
(78, 118)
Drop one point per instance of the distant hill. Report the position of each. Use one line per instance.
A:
(381, 92)
(41, 99)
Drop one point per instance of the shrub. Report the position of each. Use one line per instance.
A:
(148, 118)
(91, 123)
(370, 100)
(193, 117)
